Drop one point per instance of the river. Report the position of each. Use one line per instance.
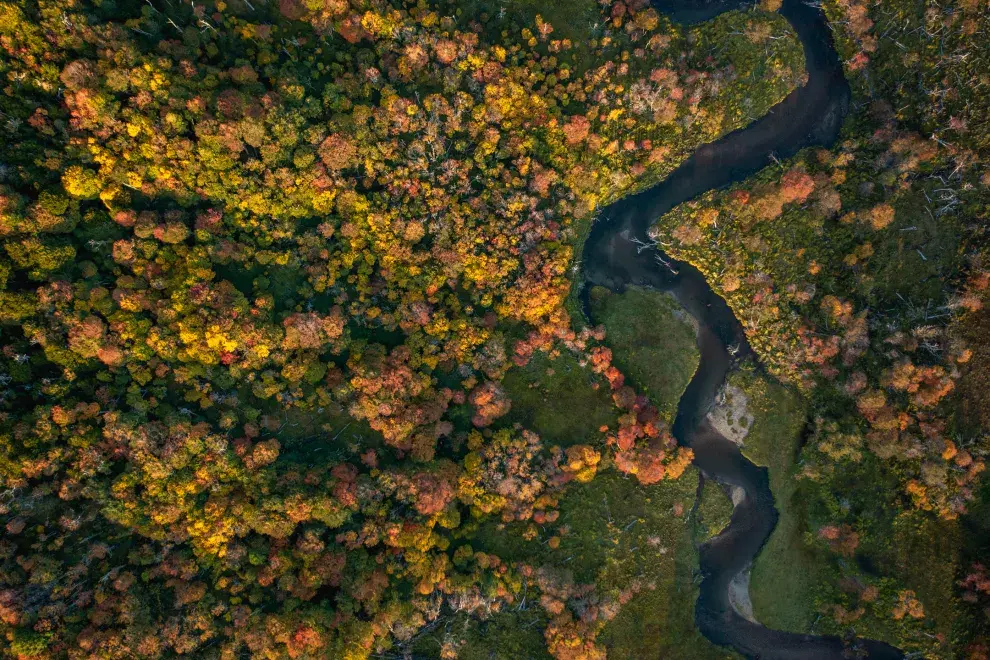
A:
(810, 115)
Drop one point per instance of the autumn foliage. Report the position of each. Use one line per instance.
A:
(222, 221)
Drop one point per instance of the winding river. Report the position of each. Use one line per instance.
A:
(810, 115)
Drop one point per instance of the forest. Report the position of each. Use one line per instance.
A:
(292, 363)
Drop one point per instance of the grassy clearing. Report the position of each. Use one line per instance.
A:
(652, 341)
(714, 510)
(571, 19)
(786, 574)
(778, 419)
(660, 623)
(775, 57)
(925, 554)
(911, 259)
(608, 522)
(976, 533)
(973, 388)
(897, 550)
(328, 435)
(557, 399)
(616, 532)
(657, 623)
(508, 634)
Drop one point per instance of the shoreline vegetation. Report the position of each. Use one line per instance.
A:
(766, 264)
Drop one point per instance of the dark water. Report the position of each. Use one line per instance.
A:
(811, 115)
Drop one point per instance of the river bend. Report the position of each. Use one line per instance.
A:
(810, 115)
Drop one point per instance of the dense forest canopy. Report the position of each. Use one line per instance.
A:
(290, 361)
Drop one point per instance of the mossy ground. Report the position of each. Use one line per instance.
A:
(714, 510)
(652, 340)
(556, 397)
(512, 633)
(618, 532)
(786, 573)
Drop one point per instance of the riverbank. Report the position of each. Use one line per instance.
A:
(612, 259)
